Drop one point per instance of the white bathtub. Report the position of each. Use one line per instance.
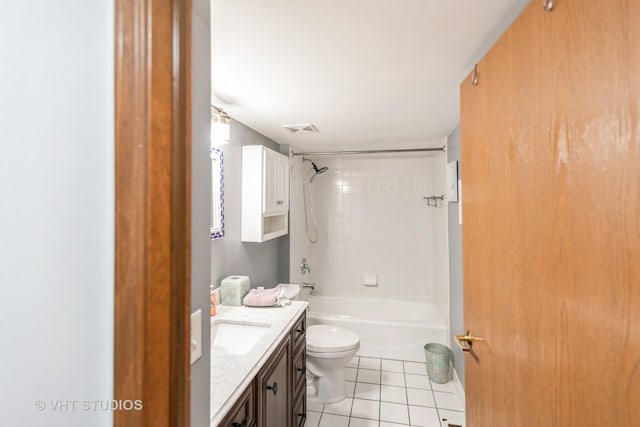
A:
(390, 329)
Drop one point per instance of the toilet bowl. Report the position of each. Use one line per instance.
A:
(329, 349)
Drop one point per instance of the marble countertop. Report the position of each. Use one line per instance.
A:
(231, 373)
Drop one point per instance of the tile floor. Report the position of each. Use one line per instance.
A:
(389, 393)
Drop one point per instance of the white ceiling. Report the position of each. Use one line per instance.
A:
(367, 73)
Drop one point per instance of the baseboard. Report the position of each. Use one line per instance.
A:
(459, 388)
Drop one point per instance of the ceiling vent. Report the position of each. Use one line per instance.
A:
(304, 128)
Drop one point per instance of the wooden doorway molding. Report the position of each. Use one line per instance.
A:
(153, 210)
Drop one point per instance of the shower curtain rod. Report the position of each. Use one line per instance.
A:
(398, 150)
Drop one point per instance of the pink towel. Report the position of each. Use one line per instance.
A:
(262, 297)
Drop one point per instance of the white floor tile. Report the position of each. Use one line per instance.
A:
(417, 381)
(368, 376)
(392, 365)
(369, 363)
(420, 397)
(394, 412)
(389, 393)
(448, 401)
(367, 391)
(340, 408)
(350, 374)
(392, 378)
(449, 387)
(453, 417)
(415, 368)
(329, 420)
(393, 394)
(313, 419)
(316, 407)
(361, 422)
(369, 409)
(353, 363)
(424, 417)
(350, 386)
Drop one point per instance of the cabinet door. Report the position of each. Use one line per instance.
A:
(243, 412)
(270, 188)
(275, 182)
(273, 394)
(283, 183)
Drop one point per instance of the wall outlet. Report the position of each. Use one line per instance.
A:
(196, 335)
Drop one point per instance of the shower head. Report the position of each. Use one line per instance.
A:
(319, 170)
(316, 169)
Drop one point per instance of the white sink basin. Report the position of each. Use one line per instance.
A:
(236, 338)
(291, 290)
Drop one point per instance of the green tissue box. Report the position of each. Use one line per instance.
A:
(233, 289)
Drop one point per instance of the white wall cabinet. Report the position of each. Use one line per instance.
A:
(276, 182)
(265, 194)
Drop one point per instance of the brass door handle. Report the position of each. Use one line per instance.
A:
(466, 341)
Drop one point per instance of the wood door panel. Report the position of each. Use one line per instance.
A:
(551, 227)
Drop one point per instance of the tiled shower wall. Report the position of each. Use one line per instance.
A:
(373, 220)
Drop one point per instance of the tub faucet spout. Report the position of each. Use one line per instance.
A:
(311, 286)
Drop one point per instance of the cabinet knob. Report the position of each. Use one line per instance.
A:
(242, 424)
(273, 388)
(303, 370)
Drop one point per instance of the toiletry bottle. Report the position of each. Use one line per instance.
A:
(212, 301)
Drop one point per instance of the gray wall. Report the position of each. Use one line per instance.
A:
(455, 261)
(201, 205)
(57, 217)
(264, 262)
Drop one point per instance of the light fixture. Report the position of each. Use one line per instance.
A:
(220, 124)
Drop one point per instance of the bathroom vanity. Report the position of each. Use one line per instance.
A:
(260, 381)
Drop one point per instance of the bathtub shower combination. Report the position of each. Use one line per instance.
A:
(389, 329)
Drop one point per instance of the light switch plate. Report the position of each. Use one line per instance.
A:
(196, 335)
(452, 181)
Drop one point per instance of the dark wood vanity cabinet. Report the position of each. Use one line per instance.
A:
(282, 382)
(243, 413)
(273, 394)
(277, 397)
(298, 372)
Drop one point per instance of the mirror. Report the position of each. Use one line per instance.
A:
(217, 199)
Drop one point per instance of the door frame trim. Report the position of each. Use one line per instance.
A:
(152, 210)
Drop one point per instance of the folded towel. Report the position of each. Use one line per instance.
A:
(261, 297)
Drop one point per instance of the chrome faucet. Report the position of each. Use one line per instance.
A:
(304, 267)
(311, 286)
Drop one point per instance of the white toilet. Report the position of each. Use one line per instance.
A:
(329, 349)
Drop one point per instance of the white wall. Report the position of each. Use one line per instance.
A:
(200, 203)
(373, 219)
(229, 255)
(56, 221)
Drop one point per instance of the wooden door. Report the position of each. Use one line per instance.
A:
(551, 228)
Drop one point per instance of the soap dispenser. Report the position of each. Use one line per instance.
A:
(212, 300)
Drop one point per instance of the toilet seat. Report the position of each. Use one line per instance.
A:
(330, 339)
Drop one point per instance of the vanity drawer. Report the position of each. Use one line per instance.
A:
(299, 369)
(299, 413)
(299, 332)
(243, 412)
